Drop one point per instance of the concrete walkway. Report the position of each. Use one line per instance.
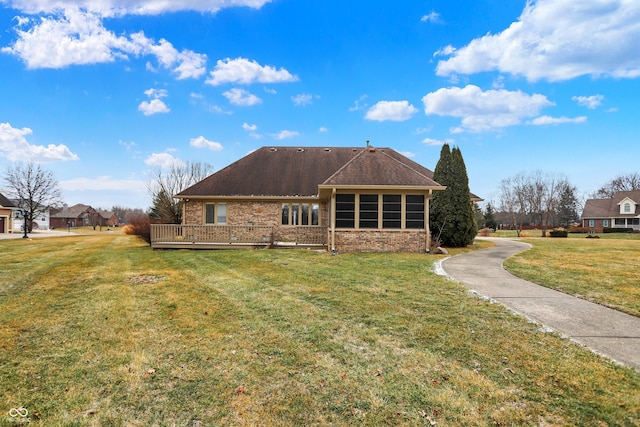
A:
(605, 331)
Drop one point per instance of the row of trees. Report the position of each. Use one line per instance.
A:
(541, 199)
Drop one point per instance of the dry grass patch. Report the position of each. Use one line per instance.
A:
(605, 271)
(118, 334)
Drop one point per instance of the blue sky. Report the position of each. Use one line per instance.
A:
(104, 92)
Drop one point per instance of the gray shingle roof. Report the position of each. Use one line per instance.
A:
(71, 212)
(291, 171)
(609, 208)
(375, 167)
(6, 203)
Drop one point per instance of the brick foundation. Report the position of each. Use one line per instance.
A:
(413, 241)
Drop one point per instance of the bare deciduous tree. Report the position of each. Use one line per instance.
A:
(168, 182)
(34, 188)
(628, 182)
(535, 196)
(513, 200)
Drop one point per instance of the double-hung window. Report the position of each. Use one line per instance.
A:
(215, 213)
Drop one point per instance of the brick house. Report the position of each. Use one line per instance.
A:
(620, 211)
(81, 215)
(343, 199)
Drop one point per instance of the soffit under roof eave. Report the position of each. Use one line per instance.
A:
(384, 187)
(268, 198)
(326, 190)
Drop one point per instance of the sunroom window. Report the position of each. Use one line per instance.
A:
(414, 216)
(368, 211)
(345, 210)
(391, 211)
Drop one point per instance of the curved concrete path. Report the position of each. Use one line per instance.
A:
(607, 332)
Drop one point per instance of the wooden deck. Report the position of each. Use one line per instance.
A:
(176, 236)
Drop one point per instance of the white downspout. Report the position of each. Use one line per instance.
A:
(426, 221)
(332, 215)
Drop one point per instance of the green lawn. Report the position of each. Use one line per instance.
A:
(100, 330)
(606, 271)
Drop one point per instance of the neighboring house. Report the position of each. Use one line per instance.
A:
(42, 221)
(108, 218)
(81, 215)
(620, 211)
(344, 199)
(6, 214)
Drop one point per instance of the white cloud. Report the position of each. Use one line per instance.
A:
(397, 111)
(408, 154)
(357, 106)
(557, 40)
(302, 99)
(133, 7)
(483, 110)
(433, 17)
(156, 93)
(155, 106)
(323, 129)
(252, 128)
(202, 142)
(431, 141)
(420, 131)
(591, 102)
(78, 37)
(241, 97)
(548, 120)
(243, 71)
(285, 134)
(162, 160)
(15, 147)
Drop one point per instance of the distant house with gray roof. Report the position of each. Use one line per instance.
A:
(620, 211)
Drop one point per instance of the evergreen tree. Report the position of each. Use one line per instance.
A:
(490, 217)
(567, 211)
(451, 213)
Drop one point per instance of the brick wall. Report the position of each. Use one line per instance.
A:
(381, 241)
(267, 213)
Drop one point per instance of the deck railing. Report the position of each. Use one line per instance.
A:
(168, 235)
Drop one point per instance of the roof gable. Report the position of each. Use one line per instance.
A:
(374, 167)
(5, 203)
(627, 200)
(72, 212)
(292, 171)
